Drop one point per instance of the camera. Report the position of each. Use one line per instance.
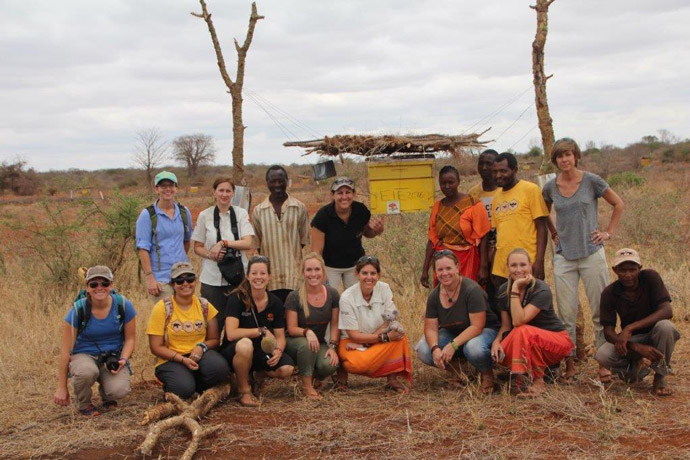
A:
(111, 360)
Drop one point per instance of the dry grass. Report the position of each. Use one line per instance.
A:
(579, 421)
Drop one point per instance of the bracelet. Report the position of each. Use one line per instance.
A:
(554, 234)
(304, 331)
(262, 331)
(147, 274)
(332, 345)
(203, 346)
(454, 345)
(514, 294)
(434, 347)
(173, 357)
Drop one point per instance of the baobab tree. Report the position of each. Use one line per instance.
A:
(234, 87)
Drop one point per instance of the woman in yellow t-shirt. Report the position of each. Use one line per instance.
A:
(183, 332)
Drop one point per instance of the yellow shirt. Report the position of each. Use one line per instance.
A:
(513, 215)
(185, 329)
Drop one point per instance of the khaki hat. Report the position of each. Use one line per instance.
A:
(180, 268)
(99, 271)
(342, 182)
(165, 175)
(626, 255)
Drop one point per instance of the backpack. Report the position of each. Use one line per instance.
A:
(82, 308)
(186, 219)
(169, 311)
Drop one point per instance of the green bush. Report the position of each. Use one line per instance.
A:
(626, 178)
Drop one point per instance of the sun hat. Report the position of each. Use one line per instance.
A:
(165, 175)
(342, 182)
(99, 271)
(180, 268)
(626, 255)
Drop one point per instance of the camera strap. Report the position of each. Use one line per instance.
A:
(233, 224)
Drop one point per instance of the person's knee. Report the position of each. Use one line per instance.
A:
(182, 388)
(118, 390)
(424, 352)
(214, 368)
(284, 372)
(604, 354)
(664, 327)
(244, 348)
(85, 372)
(477, 352)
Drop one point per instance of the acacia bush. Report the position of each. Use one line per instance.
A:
(17, 179)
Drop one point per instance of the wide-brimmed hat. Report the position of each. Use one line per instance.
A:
(180, 268)
(626, 255)
(342, 182)
(165, 175)
(99, 271)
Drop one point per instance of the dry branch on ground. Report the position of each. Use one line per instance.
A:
(188, 414)
(387, 145)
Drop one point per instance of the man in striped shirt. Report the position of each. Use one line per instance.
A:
(281, 224)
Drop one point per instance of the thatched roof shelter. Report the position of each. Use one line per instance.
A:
(367, 146)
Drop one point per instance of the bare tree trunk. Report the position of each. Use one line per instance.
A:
(543, 115)
(234, 88)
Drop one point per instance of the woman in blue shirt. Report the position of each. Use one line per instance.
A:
(97, 341)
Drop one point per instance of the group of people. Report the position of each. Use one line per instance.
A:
(328, 314)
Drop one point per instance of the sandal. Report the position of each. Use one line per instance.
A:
(661, 392)
(247, 399)
(109, 405)
(605, 376)
(397, 386)
(89, 411)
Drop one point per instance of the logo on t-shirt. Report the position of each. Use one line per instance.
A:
(269, 317)
(176, 325)
(506, 206)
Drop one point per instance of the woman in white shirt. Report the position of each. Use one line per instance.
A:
(370, 348)
(211, 246)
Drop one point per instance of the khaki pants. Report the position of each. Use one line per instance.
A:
(663, 337)
(337, 275)
(166, 291)
(594, 273)
(85, 372)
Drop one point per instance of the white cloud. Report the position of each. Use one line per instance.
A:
(79, 78)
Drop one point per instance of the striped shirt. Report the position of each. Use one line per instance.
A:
(281, 240)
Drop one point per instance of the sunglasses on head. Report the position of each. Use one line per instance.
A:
(443, 252)
(103, 283)
(262, 259)
(367, 260)
(189, 278)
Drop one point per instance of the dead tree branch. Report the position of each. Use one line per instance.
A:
(234, 87)
(542, 105)
(187, 417)
(365, 145)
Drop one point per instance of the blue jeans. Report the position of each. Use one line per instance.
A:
(477, 351)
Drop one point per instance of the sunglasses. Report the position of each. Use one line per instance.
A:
(257, 259)
(443, 252)
(368, 260)
(95, 284)
(181, 279)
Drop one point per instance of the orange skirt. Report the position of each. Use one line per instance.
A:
(530, 349)
(378, 360)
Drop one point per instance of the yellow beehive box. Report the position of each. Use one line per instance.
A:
(398, 186)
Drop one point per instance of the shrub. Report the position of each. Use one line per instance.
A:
(20, 181)
(627, 178)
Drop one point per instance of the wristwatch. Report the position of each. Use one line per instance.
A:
(204, 347)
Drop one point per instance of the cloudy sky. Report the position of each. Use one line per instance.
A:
(79, 78)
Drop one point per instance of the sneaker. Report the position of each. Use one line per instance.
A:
(89, 411)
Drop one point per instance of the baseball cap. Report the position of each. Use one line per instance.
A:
(99, 271)
(342, 182)
(626, 255)
(165, 175)
(180, 268)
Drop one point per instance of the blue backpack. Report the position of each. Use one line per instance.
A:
(82, 308)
